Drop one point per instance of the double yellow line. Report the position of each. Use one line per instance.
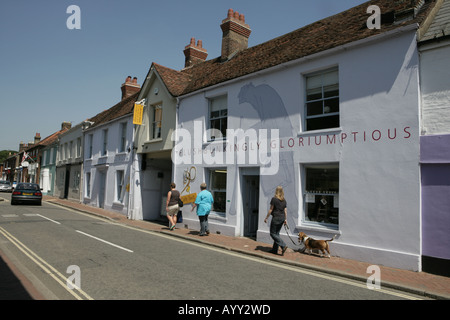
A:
(47, 268)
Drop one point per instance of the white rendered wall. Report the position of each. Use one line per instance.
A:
(376, 147)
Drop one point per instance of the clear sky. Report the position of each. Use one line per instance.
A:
(50, 74)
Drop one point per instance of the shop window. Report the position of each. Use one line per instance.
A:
(218, 117)
(218, 188)
(321, 197)
(322, 100)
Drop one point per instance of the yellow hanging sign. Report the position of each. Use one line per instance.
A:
(138, 114)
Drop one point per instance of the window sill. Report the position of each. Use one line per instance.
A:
(219, 216)
(321, 131)
(308, 226)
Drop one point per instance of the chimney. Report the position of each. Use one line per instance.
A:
(22, 146)
(235, 34)
(130, 87)
(66, 125)
(194, 53)
(37, 138)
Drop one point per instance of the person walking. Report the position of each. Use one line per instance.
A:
(172, 207)
(278, 211)
(203, 203)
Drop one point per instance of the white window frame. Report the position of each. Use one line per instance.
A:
(323, 217)
(214, 190)
(104, 142)
(318, 82)
(156, 124)
(217, 104)
(123, 137)
(120, 185)
(90, 145)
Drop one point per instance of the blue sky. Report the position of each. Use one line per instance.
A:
(51, 74)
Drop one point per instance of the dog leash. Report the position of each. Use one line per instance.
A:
(287, 231)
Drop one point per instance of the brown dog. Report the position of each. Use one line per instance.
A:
(312, 244)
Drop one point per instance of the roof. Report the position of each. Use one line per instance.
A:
(340, 29)
(440, 27)
(51, 139)
(123, 108)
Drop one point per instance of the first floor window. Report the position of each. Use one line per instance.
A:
(218, 117)
(322, 100)
(157, 122)
(105, 142)
(120, 185)
(218, 188)
(321, 200)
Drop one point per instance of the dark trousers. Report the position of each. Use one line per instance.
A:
(275, 227)
(204, 226)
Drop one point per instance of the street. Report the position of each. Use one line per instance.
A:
(57, 247)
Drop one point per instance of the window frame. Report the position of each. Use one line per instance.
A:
(104, 142)
(155, 122)
(223, 116)
(213, 190)
(331, 197)
(324, 114)
(120, 183)
(123, 137)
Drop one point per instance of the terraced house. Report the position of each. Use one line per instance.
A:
(108, 147)
(329, 111)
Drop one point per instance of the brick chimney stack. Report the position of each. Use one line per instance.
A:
(37, 138)
(66, 125)
(235, 34)
(130, 87)
(194, 53)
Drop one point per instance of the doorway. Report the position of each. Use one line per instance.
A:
(250, 201)
(67, 183)
(102, 189)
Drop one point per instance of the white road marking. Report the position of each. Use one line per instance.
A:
(48, 219)
(104, 241)
(45, 266)
(9, 215)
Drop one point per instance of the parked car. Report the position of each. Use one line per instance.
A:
(5, 186)
(27, 193)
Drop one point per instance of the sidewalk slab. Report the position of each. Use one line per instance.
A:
(420, 283)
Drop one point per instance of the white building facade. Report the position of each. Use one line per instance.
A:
(108, 146)
(338, 129)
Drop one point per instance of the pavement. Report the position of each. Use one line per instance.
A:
(420, 283)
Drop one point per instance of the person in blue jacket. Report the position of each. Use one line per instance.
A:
(203, 203)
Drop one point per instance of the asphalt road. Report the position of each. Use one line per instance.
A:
(56, 247)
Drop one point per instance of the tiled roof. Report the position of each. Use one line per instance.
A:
(49, 140)
(440, 27)
(331, 32)
(121, 109)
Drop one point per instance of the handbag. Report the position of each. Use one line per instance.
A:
(180, 217)
(180, 203)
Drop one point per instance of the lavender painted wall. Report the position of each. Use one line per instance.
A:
(435, 159)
